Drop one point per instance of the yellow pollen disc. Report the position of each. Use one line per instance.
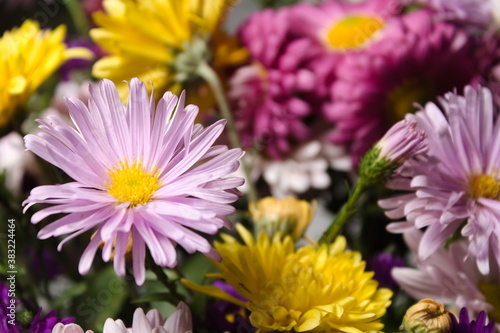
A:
(484, 186)
(130, 183)
(401, 99)
(352, 32)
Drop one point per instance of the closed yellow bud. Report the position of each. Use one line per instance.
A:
(427, 316)
(288, 216)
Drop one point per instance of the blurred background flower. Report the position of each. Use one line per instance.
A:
(30, 55)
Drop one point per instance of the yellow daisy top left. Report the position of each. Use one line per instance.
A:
(28, 56)
(143, 38)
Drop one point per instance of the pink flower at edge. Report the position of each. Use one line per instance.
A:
(143, 171)
(152, 322)
(449, 276)
(459, 182)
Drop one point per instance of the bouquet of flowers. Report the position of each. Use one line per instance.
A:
(170, 166)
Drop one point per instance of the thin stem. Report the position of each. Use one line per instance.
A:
(163, 278)
(211, 77)
(78, 16)
(345, 213)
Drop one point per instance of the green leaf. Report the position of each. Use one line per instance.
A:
(77, 290)
(104, 296)
(156, 297)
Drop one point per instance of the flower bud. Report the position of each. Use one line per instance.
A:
(402, 142)
(288, 216)
(427, 316)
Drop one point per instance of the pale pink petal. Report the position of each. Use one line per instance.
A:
(138, 256)
(111, 326)
(140, 322)
(180, 320)
(89, 254)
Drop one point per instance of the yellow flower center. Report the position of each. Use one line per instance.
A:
(130, 183)
(352, 32)
(492, 293)
(484, 186)
(401, 99)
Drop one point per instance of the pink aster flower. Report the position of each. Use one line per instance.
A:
(152, 322)
(271, 95)
(449, 276)
(70, 328)
(141, 171)
(178, 322)
(460, 183)
(414, 61)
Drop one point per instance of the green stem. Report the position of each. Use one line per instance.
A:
(163, 278)
(344, 214)
(78, 16)
(211, 77)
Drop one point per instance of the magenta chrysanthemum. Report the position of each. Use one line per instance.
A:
(415, 60)
(141, 171)
(268, 95)
(341, 27)
(460, 183)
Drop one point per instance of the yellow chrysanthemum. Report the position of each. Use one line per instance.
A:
(144, 38)
(322, 289)
(28, 56)
(288, 216)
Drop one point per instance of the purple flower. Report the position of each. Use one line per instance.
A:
(382, 266)
(39, 324)
(45, 324)
(224, 316)
(71, 65)
(140, 170)
(7, 311)
(460, 181)
(474, 326)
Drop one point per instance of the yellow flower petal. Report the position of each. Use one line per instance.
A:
(212, 291)
(28, 56)
(17, 85)
(145, 36)
(79, 53)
